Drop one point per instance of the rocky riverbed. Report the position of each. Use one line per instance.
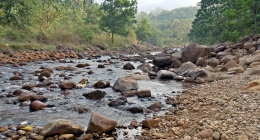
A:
(103, 95)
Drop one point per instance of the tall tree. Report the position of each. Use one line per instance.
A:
(144, 30)
(119, 16)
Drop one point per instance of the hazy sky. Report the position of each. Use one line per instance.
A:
(149, 5)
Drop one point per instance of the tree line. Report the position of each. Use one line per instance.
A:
(166, 28)
(225, 20)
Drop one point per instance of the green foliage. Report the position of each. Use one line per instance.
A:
(144, 30)
(170, 28)
(118, 16)
(229, 20)
(49, 48)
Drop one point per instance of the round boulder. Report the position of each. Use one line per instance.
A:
(37, 105)
(164, 74)
(128, 66)
(102, 84)
(136, 110)
(163, 61)
(67, 85)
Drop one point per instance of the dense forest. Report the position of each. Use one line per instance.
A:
(169, 28)
(115, 23)
(225, 20)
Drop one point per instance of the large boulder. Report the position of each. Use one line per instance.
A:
(218, 47)
(128, 66)
(124, 84)
(213, 62)
(136, 109)
(144, 93)
(164, 74)
(95, 95)
(194, 51)
(145, 67)
(59, 127)
(100, 123)
(119, 101)
(252, 71)
(163, 61)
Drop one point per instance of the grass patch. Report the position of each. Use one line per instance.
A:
(78, 48)
(49, 48)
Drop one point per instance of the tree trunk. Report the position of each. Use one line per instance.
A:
(112, 38)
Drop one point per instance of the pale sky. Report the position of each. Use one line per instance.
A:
(148, 5)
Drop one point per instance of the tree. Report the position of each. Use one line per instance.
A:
(119, 16)
(144, 30)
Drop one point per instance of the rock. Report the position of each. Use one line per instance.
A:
(250, 45)
(242, 137)
(3, 129)
(201, 62)
(213, 62)
(44, 74)
(124, 84)
(236, 70)
(218, 47)
(37, 105)
(254, 64)
(59, 127)
(16, 78)
(151, 123)
(252, 71)
(102, 84)
(70, 68)
(28, 86)
(253, 86)
(81, 109)
(129, 93)
(155, 105)
(18, 92)
(164, 74)
(100, 123)
(205, 134)
(138, 77)
(144, 93)
(66, 137)
(186, 68)
(145, 67)
(95, 95)
(189, 79)
(136, 109)
(128, 66)
(119, 101)
(87, 137)
(25, 96)
(82, 83)
(178, 78)
(253, 58)
(216, 136)
(200, 73)
(163, 61)
(39, 98)
(230, 64)
(199, 80)
(194, 51)
(228, 58)
(101, 66)
(67, 85)
(208, 68)
(80, 65)
(237, 46)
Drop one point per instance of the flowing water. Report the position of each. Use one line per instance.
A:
(63, 105)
